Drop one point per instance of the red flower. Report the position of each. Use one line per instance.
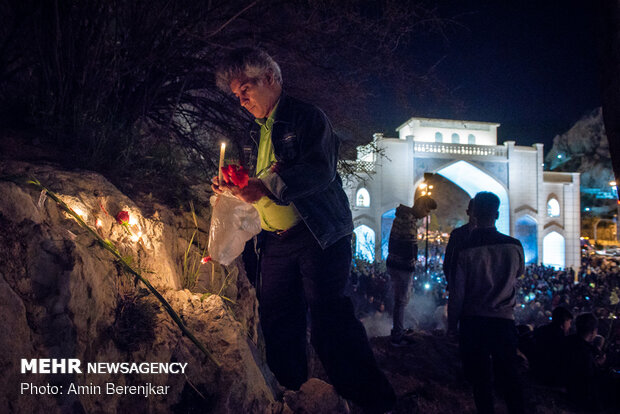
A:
(239, 176)
(226, 174)
(122, 217)
(205, 260)
(235, 174)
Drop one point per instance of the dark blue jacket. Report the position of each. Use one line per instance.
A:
(306, 151)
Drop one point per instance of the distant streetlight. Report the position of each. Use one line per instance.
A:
(426, 191)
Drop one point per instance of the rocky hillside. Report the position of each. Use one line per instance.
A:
(62, 296)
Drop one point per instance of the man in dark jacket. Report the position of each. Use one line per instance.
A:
(549, 342)
(306, 239)
(458, 238)
(580, 368)
(400, 263)
(481, 303)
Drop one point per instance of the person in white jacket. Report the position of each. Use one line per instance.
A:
(481, 303)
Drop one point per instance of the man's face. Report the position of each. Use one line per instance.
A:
(566, 326)
(257, 96)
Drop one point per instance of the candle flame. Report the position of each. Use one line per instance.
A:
(79, 212)
(221, 164)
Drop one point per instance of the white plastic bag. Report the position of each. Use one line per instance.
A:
(233, 223)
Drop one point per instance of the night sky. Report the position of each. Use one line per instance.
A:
(529, 65)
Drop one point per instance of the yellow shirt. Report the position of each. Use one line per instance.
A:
(273, 217)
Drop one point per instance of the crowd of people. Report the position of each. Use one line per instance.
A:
(593, 290)
(541, 289)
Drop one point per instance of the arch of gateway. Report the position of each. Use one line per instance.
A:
(540, 208)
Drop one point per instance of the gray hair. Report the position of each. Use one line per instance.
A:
(246, 62)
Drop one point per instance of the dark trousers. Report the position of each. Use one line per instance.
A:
(489, 346)
(401, 281)
(298, 275)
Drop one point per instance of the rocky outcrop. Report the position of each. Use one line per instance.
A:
(584, 148)
(314, 397)
(63, 296)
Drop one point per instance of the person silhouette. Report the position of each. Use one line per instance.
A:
(400, 263)
(457, 240)
(481, 303)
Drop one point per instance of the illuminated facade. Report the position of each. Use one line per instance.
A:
(538, 207)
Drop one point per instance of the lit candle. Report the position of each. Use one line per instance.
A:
(222, 151)
(79, 212)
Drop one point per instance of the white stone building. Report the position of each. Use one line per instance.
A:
(538, 207)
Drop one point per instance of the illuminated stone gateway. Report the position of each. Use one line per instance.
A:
(540, 208)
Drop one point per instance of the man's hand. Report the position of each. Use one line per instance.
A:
(254, 191)
(423, 206)
(220, 188)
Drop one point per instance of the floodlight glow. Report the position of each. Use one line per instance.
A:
(473, 180)
(365, 243)
(554, 250)
(362, 198)
(387, 219)
(553, 208)
(526, 232)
